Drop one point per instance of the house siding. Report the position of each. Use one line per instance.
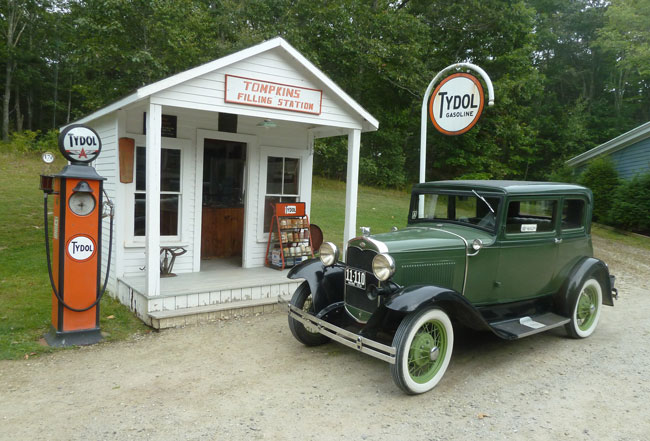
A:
(106, 166)
(207, 92)
(632, 160)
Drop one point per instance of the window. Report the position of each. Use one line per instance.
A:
(282, 175)
(573, 214)
(531, 216)
(458, 208)
(170, 192)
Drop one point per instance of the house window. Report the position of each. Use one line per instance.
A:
(170, 192)
(282, 176)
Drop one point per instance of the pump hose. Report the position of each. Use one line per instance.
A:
(49, 263)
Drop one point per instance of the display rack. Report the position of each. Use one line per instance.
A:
(289, 238)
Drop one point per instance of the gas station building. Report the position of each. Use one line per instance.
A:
(226, 140)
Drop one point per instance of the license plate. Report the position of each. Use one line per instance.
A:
(356, 278)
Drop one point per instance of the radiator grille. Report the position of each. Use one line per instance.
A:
(439, 273)
(355, 297)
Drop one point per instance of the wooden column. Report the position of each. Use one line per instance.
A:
(152, 240)
(352, 186)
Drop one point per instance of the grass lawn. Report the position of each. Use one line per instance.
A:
(25, 302)
(378, 208)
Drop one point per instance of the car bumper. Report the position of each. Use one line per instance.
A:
(343, 336)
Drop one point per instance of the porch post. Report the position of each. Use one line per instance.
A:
(152, 238)
(352, 186)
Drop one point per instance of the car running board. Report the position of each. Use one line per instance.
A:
(529, 325)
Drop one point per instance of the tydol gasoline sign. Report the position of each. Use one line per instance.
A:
(456, 104)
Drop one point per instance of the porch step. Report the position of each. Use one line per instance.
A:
(207, 313)
(529, 325)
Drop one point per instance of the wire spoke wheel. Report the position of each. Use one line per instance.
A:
(586, 310)
(424, 342)
(306, 335)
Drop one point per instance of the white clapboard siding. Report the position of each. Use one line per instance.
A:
(105, 164)
(207, 92)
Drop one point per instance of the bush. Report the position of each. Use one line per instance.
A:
(602, 178)
(28, 141)
(563, 173)
(631, 207)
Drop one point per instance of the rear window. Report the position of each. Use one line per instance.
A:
(573, 214)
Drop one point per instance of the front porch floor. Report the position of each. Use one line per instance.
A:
(222, 288)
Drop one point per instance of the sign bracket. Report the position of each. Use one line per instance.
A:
(425, 99)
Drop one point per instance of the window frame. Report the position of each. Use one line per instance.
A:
(133, 241)
(265, 153)
(576, 231)
(532, 234)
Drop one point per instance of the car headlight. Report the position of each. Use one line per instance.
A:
(383, 267)
(329, 253)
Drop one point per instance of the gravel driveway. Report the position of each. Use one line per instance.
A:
(248, 378)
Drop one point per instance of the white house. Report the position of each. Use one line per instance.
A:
(224, 140)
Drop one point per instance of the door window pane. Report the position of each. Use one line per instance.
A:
(531, 216)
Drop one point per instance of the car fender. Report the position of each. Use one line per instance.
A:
(412, 298)
(586, 267)
(325, 283)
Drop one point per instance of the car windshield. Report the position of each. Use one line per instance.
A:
(471, 208)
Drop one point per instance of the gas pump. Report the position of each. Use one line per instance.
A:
(75, 266)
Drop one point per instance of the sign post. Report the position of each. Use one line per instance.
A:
(456, 105)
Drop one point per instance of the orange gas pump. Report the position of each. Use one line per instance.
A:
(75, 267)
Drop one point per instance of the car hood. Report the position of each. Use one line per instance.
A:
(420, 238)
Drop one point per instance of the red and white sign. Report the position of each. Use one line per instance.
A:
(456, 104)
(79, 144)
(260, 93)
(81, 248)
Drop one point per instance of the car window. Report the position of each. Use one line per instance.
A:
(457, 208)
(573, 214)
(531, 216)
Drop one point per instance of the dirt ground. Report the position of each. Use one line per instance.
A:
(247, 378)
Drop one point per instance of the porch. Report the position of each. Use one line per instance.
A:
(221, 289)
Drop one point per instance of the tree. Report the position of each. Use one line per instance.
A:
(14, 20)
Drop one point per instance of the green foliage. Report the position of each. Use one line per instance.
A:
(563, 173)
(631, 206)
(32, 142)
(602, 178)
(568, 75)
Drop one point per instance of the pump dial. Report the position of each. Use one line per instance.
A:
(82, 204)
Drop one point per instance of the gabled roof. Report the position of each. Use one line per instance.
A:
(618, 143)
(146, 91)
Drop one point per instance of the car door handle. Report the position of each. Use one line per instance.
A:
(558, 240)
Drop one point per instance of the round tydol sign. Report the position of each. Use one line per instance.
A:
(456, 104)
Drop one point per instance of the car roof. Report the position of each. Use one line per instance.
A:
(507, 187)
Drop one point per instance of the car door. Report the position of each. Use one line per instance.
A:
(528, 249)
(574, 238)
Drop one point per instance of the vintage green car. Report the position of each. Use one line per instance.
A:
(514, 258)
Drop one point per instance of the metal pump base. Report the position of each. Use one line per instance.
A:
(86, 337)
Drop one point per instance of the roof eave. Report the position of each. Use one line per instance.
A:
(369, 122)
(618, 143)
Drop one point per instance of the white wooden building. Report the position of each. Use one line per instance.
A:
(225, 139)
